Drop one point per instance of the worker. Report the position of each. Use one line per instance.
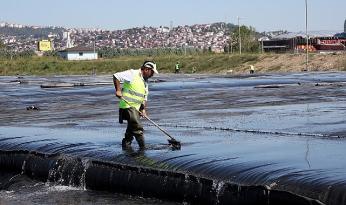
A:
(252, 69)
(133, 100)
(177, 68)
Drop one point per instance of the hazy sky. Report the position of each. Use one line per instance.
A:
(265, 15)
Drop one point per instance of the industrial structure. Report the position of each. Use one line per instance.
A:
(317, 42)
(298, 44)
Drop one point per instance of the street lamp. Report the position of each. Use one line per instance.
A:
(307, 36)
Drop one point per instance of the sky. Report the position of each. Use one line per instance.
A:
(265, 15)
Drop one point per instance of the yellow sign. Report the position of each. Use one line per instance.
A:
(44, 45)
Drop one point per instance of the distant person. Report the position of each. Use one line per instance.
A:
(252, 69)
(133, 97)
(177, 68)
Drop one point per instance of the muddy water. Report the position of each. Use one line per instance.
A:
(285, 132)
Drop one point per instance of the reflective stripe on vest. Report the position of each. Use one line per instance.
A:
(134, 93)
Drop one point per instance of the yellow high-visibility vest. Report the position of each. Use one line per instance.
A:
(134, 92)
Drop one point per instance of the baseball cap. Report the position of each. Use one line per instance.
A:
(151, 65)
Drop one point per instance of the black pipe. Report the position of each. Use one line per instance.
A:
(141, 181)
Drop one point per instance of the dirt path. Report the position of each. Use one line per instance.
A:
(296, 63)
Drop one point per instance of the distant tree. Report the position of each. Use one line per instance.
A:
(4, 53)
(2, 45)
(248, 37)
(24, 54)
(51, 53)
(116, 52)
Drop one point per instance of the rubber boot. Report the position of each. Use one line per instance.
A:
(127, 140)
(140, 141)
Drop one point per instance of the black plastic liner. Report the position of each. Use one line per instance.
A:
(142, 181)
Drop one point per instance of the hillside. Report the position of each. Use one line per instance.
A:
(201, 36)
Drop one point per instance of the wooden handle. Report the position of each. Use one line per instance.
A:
(146, 117)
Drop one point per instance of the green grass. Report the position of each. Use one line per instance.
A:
(202, 63)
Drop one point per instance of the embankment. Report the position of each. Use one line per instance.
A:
(203, 63)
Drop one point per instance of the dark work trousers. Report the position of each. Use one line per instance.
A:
(134, 127)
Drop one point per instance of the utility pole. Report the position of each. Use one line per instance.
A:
(307, 35)
(231, 43)
(185, 48)
(239, 37)
(262, 46)
(225, 31)
(94, 49)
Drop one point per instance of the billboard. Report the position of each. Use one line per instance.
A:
(44, 45)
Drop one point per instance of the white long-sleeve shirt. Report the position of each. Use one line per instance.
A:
(128, 76)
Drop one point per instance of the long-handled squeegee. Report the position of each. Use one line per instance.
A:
(175, 144)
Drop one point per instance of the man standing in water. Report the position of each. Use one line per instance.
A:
(133, 97)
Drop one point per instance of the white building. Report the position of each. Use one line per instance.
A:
(78, 53)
